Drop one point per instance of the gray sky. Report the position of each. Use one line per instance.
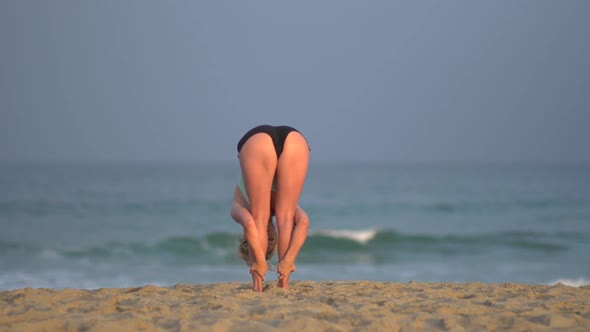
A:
(363, 80)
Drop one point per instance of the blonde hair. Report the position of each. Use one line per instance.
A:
(244, 246)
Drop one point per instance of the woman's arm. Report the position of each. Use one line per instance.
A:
(287, 262)
(300, 229)
(242, 216)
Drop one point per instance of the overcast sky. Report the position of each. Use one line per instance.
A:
(363, 80)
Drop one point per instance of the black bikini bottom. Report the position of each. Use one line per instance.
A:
(278, 134)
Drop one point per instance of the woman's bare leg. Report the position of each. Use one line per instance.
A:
(291, 173)
(298, 238)
(258, 162)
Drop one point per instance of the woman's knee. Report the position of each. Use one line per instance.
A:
(261, 217)
(285, 217)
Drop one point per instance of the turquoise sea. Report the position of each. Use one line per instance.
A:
(86, 225)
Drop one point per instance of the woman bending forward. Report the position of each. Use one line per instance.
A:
(273, 162)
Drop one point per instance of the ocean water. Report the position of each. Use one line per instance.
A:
(120, 225)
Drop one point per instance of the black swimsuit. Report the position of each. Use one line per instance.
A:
(278, 134)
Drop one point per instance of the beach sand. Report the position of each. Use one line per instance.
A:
(306, 306)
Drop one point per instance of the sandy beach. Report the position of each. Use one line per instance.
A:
(306, 306)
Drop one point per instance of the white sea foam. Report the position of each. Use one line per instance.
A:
(362, 236)
(571, 282)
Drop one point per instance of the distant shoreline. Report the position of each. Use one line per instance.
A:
(316, 162)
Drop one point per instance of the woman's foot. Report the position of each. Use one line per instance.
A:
(285, 269)
(258, 272)
(284, 281)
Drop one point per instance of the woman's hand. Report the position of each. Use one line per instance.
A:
(285, 268)
(258, 271)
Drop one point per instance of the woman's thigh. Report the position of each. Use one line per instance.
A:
(291, 173)
(258, 162)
